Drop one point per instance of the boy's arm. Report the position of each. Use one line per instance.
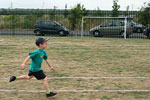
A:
(25, 62)
(50, 65)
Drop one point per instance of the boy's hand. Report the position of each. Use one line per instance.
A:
(52, 68)
(23, 65)
(25, 61)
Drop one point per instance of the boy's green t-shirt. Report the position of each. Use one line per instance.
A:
(37, 58)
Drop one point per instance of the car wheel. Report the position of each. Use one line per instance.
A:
(127, 36)
(96, 33)
(139, 30)
(43, 34)
(148, 33)
(148, 36)
(37, 33)
(61, 33)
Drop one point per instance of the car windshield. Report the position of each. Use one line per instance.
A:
(133, 23)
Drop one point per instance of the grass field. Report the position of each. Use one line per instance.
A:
(78, 57)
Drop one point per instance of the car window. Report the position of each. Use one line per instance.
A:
(107, 24)
(118, 23)
(51, 23)
(44, 23)
(38, 23)
(48, 23)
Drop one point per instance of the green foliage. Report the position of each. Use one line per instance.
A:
(66, 11)
(29, 21)
(116, 7)
(3, 11)
(98, 12)
(84, 11)
(144, 17)
(38, 13)
(76, 14)
(53, 13)
(11, 21)
(127, 11)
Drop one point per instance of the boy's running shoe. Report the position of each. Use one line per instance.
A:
(51, 94)
(12, 78)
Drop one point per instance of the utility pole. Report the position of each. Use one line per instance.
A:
(11, 5)
(43, 4)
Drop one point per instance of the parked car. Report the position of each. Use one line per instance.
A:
(137, 28)
(50, 27)
(147, 32)
(111, 28)
(116, 27)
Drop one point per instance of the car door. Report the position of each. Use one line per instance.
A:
(50, 27)
(53, 27)
(117, 27)
(43, 26)
(107, 28)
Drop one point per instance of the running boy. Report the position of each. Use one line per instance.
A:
(35, 67)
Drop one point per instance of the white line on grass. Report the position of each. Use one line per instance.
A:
(41, 91)
(91, 78)
(98, 77)
(1, 40)
(89, 50)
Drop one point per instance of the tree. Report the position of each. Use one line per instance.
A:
(98, 12)
(126, 13)
(116, 7)
(76, 14)
(144, 16)
(66, 11)
(52, 13)
(38, 13)
(84, 11)
(3, 11)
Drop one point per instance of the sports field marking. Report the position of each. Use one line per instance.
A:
(91, 78)
(1, 40)
(98, 77)
(41, 91)
(90, 50)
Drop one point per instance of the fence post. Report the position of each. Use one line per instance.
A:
(82, 27)
(125, 27)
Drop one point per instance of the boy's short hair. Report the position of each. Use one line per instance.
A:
(41, 41)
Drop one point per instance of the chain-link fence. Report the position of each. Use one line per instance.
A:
(68, 23)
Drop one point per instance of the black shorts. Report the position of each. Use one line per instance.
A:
(38, 75)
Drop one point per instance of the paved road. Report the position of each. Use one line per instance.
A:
(73, 33)
(16, 32)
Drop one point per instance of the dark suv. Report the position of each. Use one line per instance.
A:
(50, 27)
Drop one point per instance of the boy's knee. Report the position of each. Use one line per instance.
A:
(45, 79)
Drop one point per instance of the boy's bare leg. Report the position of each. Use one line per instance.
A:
(13, 78)
(46, 84)
(24, 77)
(48, 93)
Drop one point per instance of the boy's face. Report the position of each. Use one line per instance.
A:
(43, 46)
